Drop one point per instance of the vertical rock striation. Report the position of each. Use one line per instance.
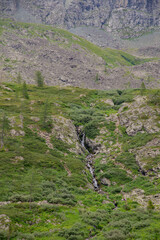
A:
(119, 15)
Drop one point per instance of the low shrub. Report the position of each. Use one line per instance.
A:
(26, 236)
(76, 232)
(63, 197)
(141, 224)
(19, 198)
(124, 225)
(114, 235)
(129, 160)
(60, 145)
(111, 126)
(3, 235)
(90, 119)
(96, 219)
(155, 98)
(91, 129)
(150, 205)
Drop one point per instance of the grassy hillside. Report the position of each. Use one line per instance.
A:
(68, 60)
(46, 189)
(111, 57)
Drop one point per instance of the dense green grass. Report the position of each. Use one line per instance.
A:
(58, 176)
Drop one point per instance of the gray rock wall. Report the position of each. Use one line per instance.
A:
(108, 14)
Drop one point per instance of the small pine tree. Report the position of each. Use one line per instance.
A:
(45, 118)
(143, 88)
(24, 91)
(119, 92)
(4, 126)
(155, 98)
(45, 114)
(19, 78)
(97, 77)
(32, 184)
(150, 205)
(39, 79)
(143, 85)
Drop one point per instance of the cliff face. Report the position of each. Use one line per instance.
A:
(107, 14)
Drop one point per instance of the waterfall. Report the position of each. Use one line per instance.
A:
(90, 163)
(83, 140)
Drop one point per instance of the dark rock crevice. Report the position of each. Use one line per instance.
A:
(85, 143)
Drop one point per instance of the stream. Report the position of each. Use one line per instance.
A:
(89, 164)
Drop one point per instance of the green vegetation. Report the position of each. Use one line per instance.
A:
(24, 91)
(46, 122)
(150, 205)
(4, 127)
(39, 79)
(112, 57)
(154, 98)
(90, 119)
(139, 140)
(19, 78)
(143, 88)
(43, 170)
(97, 78)
(128, 159)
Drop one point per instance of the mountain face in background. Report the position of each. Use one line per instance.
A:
(79, 124)
(111, 15)
(68, 60)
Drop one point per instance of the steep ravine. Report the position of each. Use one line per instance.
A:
(89, 161)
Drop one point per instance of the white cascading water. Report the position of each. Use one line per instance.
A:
(83, 141)
(89, 163)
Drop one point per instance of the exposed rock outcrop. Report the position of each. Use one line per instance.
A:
(140, 117)
(139, 196)
(111, 15)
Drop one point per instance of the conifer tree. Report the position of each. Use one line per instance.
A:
(24, 91)
(45, 114)
(45, 117)
(97, 77)
(143, 88)
(4, 126)
(39, 79)
(32, 184)
(150, 205)
(19, 78)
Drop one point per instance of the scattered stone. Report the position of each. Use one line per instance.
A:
(105, 202)
(4, 203)
(35, 119)
(105, 181)
(108, 102)
(4, 222)
(139, 196)
(17, 133)
(6, 88)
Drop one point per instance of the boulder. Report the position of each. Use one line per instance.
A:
(105, 181)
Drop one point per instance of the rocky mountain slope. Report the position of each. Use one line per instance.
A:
(56, 142)
(148, 44)
(66, 59)
(124, 16)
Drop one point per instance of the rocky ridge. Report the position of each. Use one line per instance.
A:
(129, 17)
(67, 60)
